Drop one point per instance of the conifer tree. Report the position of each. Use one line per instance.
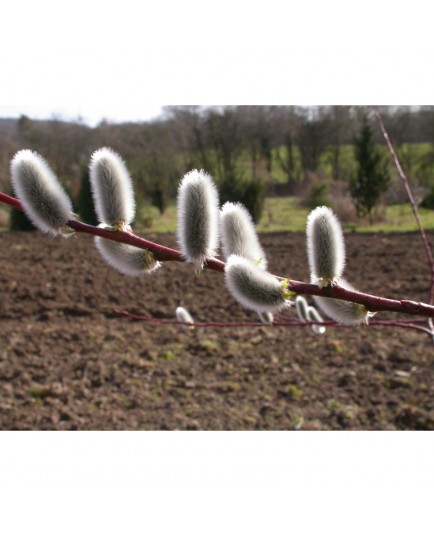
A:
(372, 177)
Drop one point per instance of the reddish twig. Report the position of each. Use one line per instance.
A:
(162, 253)
(283, 316)
(277, 323)
(11, 201)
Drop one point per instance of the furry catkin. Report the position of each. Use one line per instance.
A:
(314, 316)
(198, 206)
(325, 247)
(254, 288)
(125, 258)
(266, 317)
(43, 199)
(112, 188)
(184, 316)
(238, 234)
(341, 311)
(301, 306)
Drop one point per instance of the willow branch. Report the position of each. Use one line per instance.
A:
(164, 254)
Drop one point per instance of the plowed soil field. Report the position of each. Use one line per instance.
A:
(67, 362)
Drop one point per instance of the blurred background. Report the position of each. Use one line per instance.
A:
(280, 161)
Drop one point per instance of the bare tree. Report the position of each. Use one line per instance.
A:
(339, 133)
(258, 126)
(312, 136)
(287, 126)
(188, 126)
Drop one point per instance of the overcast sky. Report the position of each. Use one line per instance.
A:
(89, 114)
(124, 61)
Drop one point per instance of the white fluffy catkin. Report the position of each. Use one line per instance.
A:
(325, 247)
(254, 288)
(125, 258)
(266, 318)
(301, 306)
(43, 199)
(182, 315)
(238, 234)
(341, 311)
(112, 188)
(314, 316)
(198, 206)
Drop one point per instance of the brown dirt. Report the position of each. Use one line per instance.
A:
(67, 363)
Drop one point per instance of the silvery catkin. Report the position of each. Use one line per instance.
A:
(198, 206)
(254, 288)
(314, 316)
(127, 259)
(325, 247)
(266, 317)
(238, 234)
(301, 306)
(183, 316)
(343, 312)
(112, 188)
(43, 199)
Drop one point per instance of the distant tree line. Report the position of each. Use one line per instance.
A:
(251, 151)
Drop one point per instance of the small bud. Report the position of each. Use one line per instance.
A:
(43, 199)
(342, 311)
(314, 316)
(266, 317)
(197, 217)
(254, 288)
(238, 234)
(125, 258)
(301, 306)
(325, 247)
(184, 316)
(112, 188)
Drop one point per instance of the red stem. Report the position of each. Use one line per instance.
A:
(11, 201)
(276, 323)
(162, 253)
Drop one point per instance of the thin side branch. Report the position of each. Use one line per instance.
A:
(413, 203)
(275, 323)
